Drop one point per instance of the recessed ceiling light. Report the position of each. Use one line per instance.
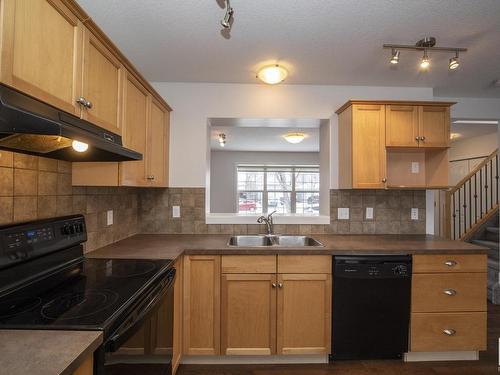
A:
(294, 137)
(272, 74)
(222, 139)
(481, 122)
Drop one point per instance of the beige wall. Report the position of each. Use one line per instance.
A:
(36, 188)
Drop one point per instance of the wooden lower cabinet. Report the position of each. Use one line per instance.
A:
(201, 305)
(178, 314)
(304, 313)
(87, 367)
(248, 314)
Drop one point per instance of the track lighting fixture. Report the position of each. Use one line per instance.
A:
(228, 17)
(426, 62)
(222, 139)
(427, 45)
(395, 56)
(454, 63)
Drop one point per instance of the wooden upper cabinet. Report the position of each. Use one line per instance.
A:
(135, 119)
(248, 314)
(102, 85)
(158, 138)
(434, 126)
(401, 125)
(368, 146)
(41, 51)
(304, 314)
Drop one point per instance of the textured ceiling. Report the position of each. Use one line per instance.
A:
(335, 42)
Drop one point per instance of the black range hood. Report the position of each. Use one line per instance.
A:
(32, 127)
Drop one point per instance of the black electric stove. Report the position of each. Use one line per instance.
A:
(47, 283)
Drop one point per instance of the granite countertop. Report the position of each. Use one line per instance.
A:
(43, 352)
(171, 246)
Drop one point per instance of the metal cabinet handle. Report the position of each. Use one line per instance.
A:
(417, 138)
(450, 263)
(151, 178)
(449, 332)
(422, 138)
(450, 292)
(280, 285)
(274, 285)
(384, 180)
(89, 104)
(84, 102)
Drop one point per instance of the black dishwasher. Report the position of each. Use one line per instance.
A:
(371, 306)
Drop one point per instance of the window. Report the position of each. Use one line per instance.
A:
(286, 189)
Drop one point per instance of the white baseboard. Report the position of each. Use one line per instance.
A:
(441, 356)
(241, 359)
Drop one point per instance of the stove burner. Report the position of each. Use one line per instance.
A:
(16, 306)
(78, 305)
(131, 269)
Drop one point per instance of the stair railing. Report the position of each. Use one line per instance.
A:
(473, 199)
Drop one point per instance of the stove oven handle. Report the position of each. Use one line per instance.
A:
(113, 343)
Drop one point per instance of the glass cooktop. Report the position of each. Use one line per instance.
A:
(88, 297)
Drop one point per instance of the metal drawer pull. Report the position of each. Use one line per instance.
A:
(274, 285)
(449, 332)
(280, 285)
(450, 263)
(450, 292)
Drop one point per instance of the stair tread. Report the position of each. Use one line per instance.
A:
(491, 244)
(493, 230)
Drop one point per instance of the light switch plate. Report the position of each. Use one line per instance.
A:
(414, 213)
(176, 211)
(369, 213)
(109, 217)
(343, 213)
(415, 167)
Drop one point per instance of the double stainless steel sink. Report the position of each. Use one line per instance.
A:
(273, 241)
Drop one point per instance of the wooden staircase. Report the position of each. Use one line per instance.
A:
(471, 211)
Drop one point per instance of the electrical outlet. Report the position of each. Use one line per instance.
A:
(369, 213)
(343, 213)
(176, 211)
(415, 167)
(109, 217)
(414, 213)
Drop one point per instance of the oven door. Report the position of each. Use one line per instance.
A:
(140, 312)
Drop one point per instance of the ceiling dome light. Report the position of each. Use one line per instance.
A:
(294, 137)
(454, 63)
(395, 56)
(222, 139)
(79, 146)
(426, 62)
(272, 74)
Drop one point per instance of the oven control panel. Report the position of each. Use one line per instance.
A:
(22, 242)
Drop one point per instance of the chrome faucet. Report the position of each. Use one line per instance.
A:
(269, 223)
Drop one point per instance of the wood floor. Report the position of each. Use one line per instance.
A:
(488, 364)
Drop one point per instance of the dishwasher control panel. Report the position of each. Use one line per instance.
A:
(385, 267)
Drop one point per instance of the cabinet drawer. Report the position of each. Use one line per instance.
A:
(441, 332)
(449, 263)
(304, 264)
(249, 264)
(448, 292)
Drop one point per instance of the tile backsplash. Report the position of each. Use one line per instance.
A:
(391, 213)
(36, 188)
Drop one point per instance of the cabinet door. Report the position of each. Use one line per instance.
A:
(158, 145)
(178, 295)
(304, 313)
(368, 146)
(41, 51)
(136, 117)
(248, 313)
(102, 81)
(401, 125)
(162, 326)
(434, 126)
(201, 305)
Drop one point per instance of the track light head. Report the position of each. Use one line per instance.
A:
(226, 21)
(426, 62)
(454, 63)
(395, 56)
